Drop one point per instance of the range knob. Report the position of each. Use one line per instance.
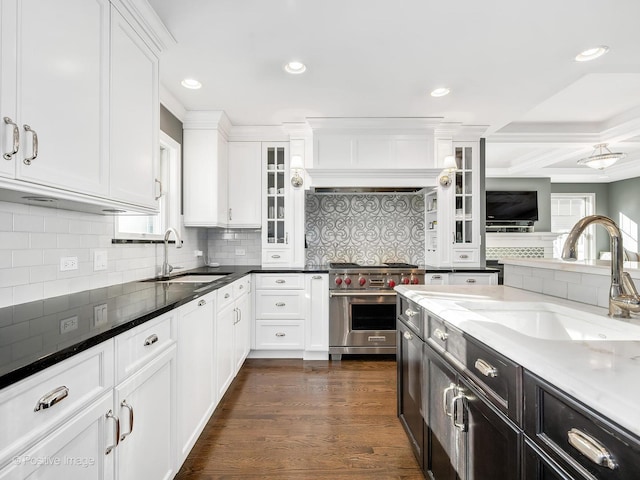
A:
(404, 280)
(392, 283)
(347, 281)
(338, 281)
(414, 280)
(362, 281)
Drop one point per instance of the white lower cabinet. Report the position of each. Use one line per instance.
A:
(461, 278)
(317, 331)
(196, 388)
(242, 326)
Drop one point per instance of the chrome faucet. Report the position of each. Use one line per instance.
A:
(166, 268)
(623, 296)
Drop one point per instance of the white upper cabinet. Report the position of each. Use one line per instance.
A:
(135, 117)
(55, 89)
(244, 184)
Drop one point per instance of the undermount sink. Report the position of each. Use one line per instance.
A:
(549, 321)
(193, 279)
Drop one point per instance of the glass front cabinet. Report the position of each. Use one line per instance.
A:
(452, 213)
(276, 208)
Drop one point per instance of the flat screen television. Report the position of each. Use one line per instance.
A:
(505, 207)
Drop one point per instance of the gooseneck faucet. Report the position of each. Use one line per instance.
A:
(166, 268)
(623, 296)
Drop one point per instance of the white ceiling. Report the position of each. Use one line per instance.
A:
(510, 66)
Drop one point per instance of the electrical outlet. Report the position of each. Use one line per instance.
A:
(99, 315)
(69, 324)
(241, 251)
(68, 263)
(99, 260)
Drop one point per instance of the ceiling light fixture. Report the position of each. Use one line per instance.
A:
(295, 68)
(601, 157)
(191, 84)
(592, 53)
(440, 92)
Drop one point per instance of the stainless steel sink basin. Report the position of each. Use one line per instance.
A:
(550, 321)
(193, 279)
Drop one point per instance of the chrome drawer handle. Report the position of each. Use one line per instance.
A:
(280, 304)
(110, 415)
(470, 280)
(462, 426)
(161, 193)
(591, 448)
(34, 145)
(410, 313)
(445, 398)
(316, 277)
(280, 281)
(50, 399)
(275, 256)
(380, 338)
(440, 335)
(280, 334)
(406, 335)
(436, 277)
(124, 404)
(241, 287)
(202, 302)
(16, 139)
(227, 295)
(464, 256)
(486, 368)
(150, 340)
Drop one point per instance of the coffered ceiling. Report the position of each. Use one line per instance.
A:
(510, 66)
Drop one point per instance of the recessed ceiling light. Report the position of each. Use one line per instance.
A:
(592, 53)
(295, 67)
(440, 92)
(191, 83)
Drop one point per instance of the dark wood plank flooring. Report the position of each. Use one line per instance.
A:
(289, 419)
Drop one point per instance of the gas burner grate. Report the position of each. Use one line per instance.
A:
(400, 265)
(343, 265)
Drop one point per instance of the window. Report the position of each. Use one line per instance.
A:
(152, 227)
(566, 210)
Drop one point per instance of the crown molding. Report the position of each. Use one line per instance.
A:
(147, 21)
(172, 104)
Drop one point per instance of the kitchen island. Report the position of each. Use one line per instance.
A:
(553, 365)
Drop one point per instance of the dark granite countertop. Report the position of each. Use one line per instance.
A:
(30, 333)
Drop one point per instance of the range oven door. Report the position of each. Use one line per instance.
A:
(362, 322)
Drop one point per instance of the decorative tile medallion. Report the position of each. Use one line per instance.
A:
(496, 253)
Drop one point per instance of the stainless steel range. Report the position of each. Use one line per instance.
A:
(362, 306)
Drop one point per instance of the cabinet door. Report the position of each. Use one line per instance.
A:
(244, 183)
(195, 373)
(539, 467)
(317, 328)
(492, 443)
(444, 449)
(74, 451)
(62, 93)
(276, 209)
(409, 356)
(8, 128)
(224, 350)
(135, 116)
(466, 197)
(242, 331)
(145, 407)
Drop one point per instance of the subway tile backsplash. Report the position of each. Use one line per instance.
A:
(222, 245)
(33, 239)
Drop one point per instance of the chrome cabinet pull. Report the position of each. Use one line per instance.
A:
(410, 313)
(316, 277)
(470, 280)
(377, 338)
(280, 304)
(462, 426)
(440, 335)
(124, 404)
(34, 145)
(16, 139)
(275, 256)
(436, 277)
(591, 448)
(280, 334)
(445, 398)
(241, 287)
(50, 399)
(281, 281)
(286, 238)
(150, 340)
(464, 256)
(160, 185)
(486, 368)
(227, 295)
(230, 216)
(202, 302)
(110, 415)
(407, 335)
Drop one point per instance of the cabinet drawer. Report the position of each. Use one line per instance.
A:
(288, 281)
(276, 257)
(444, 337)
(473, 279)
(411, 315)
(140, 345)
(498, 376)
(465, 255)
(435, 278)
(278, 335)
(83, 378)
(564, 428)
(224, 296)
(242, 286)
(277, 305)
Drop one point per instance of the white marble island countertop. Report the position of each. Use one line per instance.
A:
(603, 374)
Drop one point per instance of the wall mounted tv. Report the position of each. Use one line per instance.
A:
(511, 207)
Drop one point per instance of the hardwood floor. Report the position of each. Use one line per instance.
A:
(289, 419)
